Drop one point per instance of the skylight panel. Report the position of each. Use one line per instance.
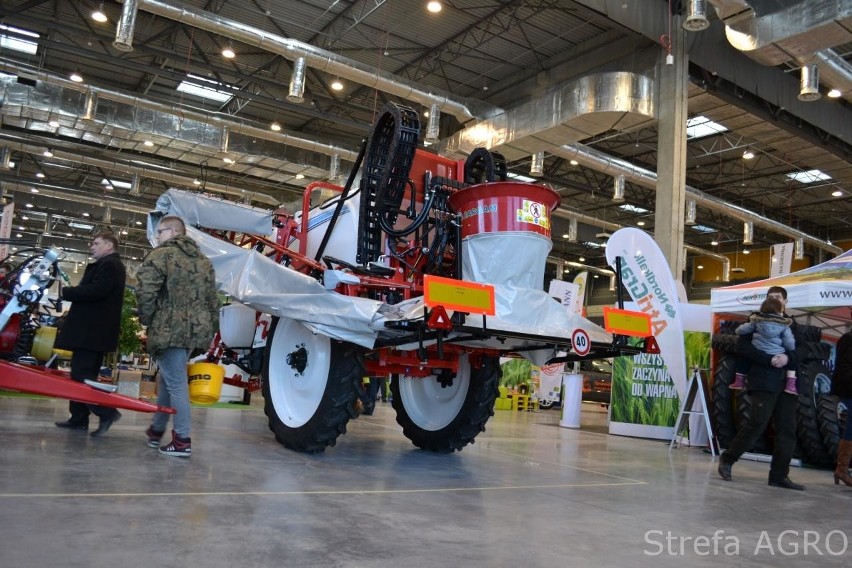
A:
(16, 43)
(810, 176)
(701, 126)
(205, 88)
(703, 229)
(632, 208)
(520, 177)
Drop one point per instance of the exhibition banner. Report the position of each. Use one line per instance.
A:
(580, 301)
(566, 293)
(646, 276)
(781, 259)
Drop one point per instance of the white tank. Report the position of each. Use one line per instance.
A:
(344, 239)
(237, 323)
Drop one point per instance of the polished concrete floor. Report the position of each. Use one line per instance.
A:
(529, 493)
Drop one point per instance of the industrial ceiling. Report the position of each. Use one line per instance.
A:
(135, 124)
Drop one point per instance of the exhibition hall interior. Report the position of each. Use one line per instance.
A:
(480, 268)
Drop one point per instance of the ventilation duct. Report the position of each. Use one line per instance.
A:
(618, 189)
(696, 16)
(809, 90)
(334, 168)
(433, 127)
(134, 184)
(90, 105)
(748, 233)
(107, 215)
(225, 140)
(572, 230)
(5, 158)
(126, 25)
(297, 81)
(537, 164)
(799, 249)
(691, 212)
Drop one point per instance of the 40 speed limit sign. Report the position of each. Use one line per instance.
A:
(580, 341)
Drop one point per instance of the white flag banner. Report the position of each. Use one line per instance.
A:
(565, 292)
(6, 228)
(647, 277)
(781, 259)
(580, 280)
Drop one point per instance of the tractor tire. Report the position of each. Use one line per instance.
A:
(814, 381)
(722, 398)
(725, 342)
(832, 417)
(446, 418)
(309, 386)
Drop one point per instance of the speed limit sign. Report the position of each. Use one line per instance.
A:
(580, 341)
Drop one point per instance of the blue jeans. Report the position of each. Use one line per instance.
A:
(174, 390)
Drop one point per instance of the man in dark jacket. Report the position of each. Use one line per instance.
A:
(765, 384)
(178, 302)
(91, 328)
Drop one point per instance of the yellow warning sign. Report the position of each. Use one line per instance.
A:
(627, 322)
(459, 295)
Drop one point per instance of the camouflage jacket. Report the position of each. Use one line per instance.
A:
(177, 296)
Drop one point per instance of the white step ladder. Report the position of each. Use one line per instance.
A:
(693, 389)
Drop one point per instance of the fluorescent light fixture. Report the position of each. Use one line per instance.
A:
(17, 44)
(809, 176)
(205, 88)
(113, 183)
(701, 126)
(703, 229)
(520, 177)
(632, 208)
(78, 225)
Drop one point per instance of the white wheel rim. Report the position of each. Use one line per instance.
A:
(296, 395)
(431, 406)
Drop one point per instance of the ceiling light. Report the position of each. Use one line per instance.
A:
(565, 236)
(124, 231)
(138, 222)
(837, 193)
(19, 235)
(748, 155)
(228, 160)
(228, 53)
(746, 251)
(275, 126)
(582, 259)
(434, 6)
(134, 258)
(336, 85)
(641, 223)
(109, 186)
(25, 218)
(85, 214)
(29, 205)
(76, 77)
(22, 228)
(574, 162)
(714, 243)
(700, 267)
(148, 143)
(40, 175)
(196, 181)
(834, 93)
(78, 225)
(98, 15)
(53, 123)
(48, 153)
(33, 190)
(69, 234)
(300, 176)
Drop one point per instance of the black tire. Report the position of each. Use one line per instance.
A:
(832, 417)
(725, 342)
(723, 400)
(450, 432)
(807, 334)
(814, 381)
(308, 386)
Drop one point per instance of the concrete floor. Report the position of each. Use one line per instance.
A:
(527, 494)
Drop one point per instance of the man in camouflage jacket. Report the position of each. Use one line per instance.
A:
(178, 304)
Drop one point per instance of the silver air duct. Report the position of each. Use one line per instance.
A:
(799, 249)
(691, 212)
(134, 184)
(90, 105)
(572, 230)
(5, 159)
(226, 140)
(433, 127)
(809, 89)
(107, 215)
(297, 81)
(618, 189)
(748, 233)
(537, 164)
(696, 17)
(126, 26)
(334, 168)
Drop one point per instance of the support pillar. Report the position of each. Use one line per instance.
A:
(671, 165)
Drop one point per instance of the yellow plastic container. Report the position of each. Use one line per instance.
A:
(205, 382)
(43, 343)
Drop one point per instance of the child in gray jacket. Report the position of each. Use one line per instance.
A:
(772, 334)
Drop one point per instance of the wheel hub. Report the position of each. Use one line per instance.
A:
(298, 359)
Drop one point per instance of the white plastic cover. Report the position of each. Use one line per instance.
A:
(514, 258)
(212, 212)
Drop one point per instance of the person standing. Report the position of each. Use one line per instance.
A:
(841, 385)
(765, 384)
(178, 303)
(91, 328)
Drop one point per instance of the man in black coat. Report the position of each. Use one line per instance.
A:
(765, 385)
(91, 328)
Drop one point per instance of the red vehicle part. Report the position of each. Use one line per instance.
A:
(49, 382)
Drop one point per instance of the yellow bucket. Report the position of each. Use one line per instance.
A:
(205, 382)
